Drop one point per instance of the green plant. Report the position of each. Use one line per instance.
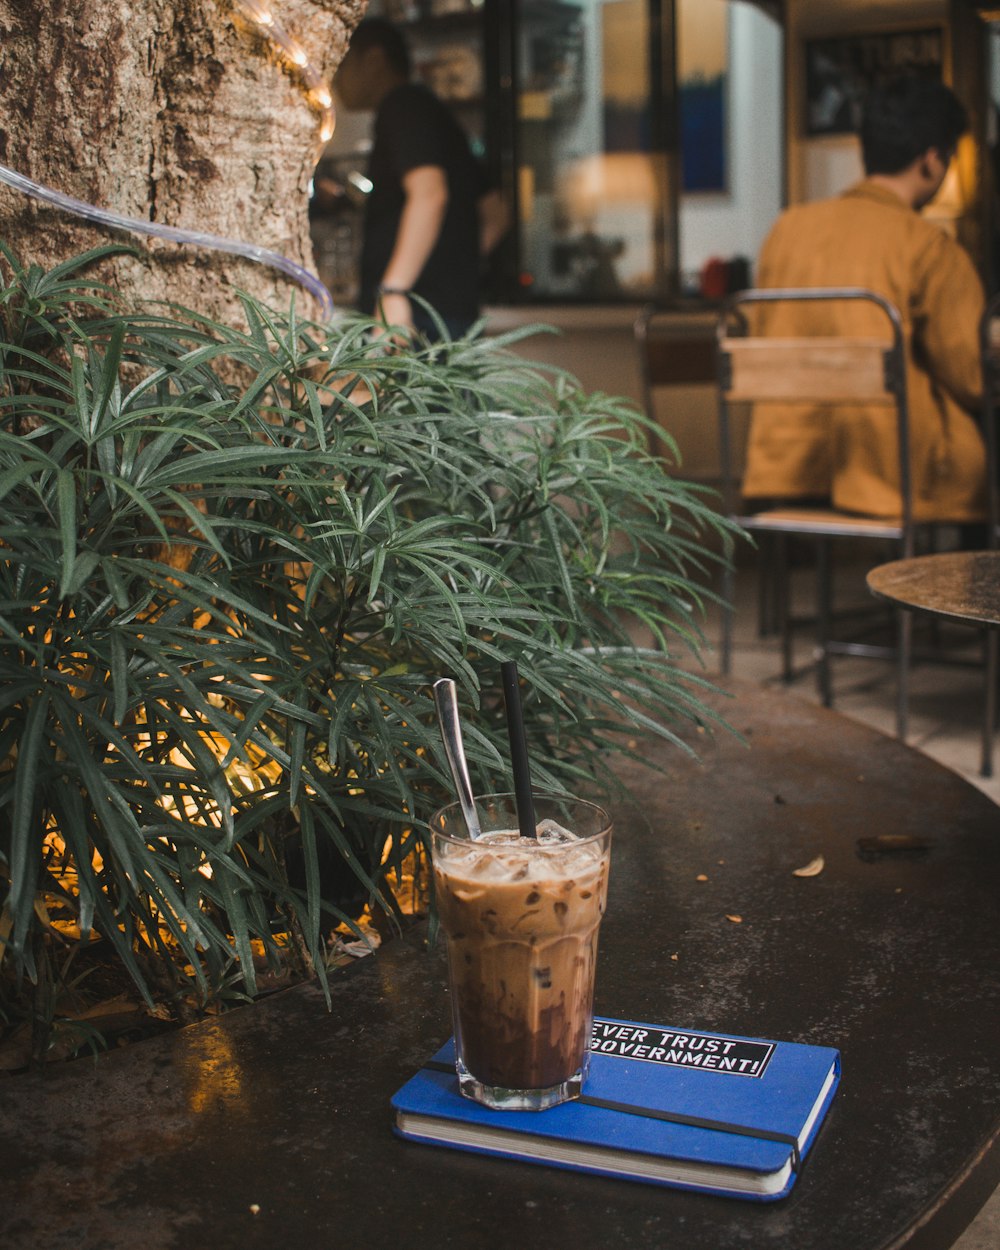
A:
(231, 564)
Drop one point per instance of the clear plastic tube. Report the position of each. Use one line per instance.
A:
(198, 239)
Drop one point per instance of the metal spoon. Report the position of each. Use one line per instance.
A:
(446, 701)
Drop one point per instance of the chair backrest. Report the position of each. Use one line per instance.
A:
(821, 369)
(989, 339)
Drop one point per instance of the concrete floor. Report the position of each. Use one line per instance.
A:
(946, 709)
(946, 694)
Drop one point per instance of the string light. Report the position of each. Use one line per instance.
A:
(319, 96)
(317, 92)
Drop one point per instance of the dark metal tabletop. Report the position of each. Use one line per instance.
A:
(270, 1126)
(957, 585)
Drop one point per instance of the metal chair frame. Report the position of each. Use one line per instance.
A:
(761, 369)
(990, 356)
(683, 357)
(673, 350)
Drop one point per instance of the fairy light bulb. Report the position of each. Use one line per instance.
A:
(289, 49)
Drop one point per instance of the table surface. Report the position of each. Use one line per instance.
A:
(270, 1126)
(958, 585)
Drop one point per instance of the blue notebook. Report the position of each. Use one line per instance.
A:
(706, 1111)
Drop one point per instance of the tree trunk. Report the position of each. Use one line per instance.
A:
(179, 112)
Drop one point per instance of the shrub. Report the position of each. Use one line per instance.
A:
(233, 563)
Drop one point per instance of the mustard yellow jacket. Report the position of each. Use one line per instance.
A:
(868, 237)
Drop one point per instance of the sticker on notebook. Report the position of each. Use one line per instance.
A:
(709, 1051)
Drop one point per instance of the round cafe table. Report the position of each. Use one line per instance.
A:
(271, 1126)
(959, 586)
(955, 585)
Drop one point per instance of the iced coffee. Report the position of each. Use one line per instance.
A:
(521, 917)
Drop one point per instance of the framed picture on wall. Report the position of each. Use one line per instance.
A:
(702, 86)
(842, 69)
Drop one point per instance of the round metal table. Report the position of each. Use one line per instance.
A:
(271, 1125)
(959, 586)
(956, 585)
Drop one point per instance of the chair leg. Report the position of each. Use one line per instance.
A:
(783, 605)
(728, 608)
(824, 607)
(766, 588)
(991, 648)
(904, 647)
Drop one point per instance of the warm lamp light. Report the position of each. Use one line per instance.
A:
(608, 178)
(958, 191)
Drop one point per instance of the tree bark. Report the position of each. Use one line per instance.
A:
(173, 111)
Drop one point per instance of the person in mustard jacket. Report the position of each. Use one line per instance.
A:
(874, 236)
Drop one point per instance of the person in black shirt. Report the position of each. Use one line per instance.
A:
(429, 207)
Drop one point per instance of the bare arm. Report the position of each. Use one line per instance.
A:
(426, 191)
(494, 220)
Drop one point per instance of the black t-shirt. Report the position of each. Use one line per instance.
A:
(413, 128)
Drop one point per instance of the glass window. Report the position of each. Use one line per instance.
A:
(639, 142)
(590, 186)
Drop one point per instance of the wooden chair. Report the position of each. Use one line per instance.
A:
(676, 346)
(826, 370)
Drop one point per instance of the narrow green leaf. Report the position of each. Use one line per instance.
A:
(33, 757)
(66, 506)
(81, 395)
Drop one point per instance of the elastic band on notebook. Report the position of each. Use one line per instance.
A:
(649, 1113)
(720, 1126)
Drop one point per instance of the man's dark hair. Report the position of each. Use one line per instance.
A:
(904, 117)
(376, 32)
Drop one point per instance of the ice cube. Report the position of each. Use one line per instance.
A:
(552, 834)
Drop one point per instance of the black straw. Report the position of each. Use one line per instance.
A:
(518, 749)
